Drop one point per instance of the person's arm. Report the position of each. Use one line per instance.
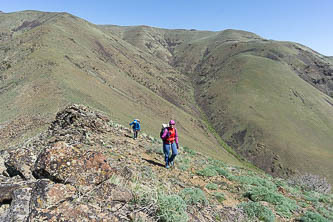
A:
(131, 123)
(165, 134)
(176, 137)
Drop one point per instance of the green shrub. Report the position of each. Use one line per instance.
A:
(219, 196)
(222, 172)
(255, 180)
(325, 199)
(142, 195)
(285, 210)
(257, 210)
(213, 170)
(115, 179)
(183, 167)
(212, 186)
(294, 190)
(326, 213)
(208, 171)
(217, 163)
(303, 204)
(184, 163)
(189, 151)
(313, 217)
(147, 172)
(193, 196)
(171, 208)
(284, 206)
(280, 182)
(263, 194)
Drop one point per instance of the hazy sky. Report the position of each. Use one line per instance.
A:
(309, 22)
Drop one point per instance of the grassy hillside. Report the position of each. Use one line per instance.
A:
(253, 93)
(269, 118)
(270, 101)
(53, 59)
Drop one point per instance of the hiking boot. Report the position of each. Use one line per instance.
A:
(167, 166)
(171, 163)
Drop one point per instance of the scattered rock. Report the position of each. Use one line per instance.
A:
(67, 164)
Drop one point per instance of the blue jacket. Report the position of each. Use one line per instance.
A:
(136, 125)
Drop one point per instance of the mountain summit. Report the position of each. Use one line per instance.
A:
(233, 94)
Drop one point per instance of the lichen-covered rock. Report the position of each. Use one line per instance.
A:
(69, 164)
(21, 162)
(105, 202)
(106, 193)
(72, 211)
(47, 194)
(20, 205)
(46, 199)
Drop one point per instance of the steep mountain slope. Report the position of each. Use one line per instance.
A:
(270, 101)
(52, 59)
(253, 93)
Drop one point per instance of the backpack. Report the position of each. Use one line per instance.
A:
(164, 126)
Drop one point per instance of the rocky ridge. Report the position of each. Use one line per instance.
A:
(87, 168)
(66, 172)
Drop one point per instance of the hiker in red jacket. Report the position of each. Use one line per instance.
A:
(170, 140)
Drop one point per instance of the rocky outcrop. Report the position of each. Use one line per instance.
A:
(76, 123)
(108, 176)
(62, 174)
(68, 164)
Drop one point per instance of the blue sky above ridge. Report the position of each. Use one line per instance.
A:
(308, 22)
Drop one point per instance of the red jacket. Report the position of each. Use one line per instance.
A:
(170, 135)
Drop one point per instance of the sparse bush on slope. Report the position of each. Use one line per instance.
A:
(194, 196)
(189, 151)
(212, 186)
(171, 208)
(313, 217)
(283, 205)
(256, 210)
(219, 196)
(208, 171)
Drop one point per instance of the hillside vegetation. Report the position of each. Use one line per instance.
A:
(53, 59)
(86, 167)
(267, 101)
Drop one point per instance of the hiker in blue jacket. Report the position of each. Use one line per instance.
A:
(136, 128)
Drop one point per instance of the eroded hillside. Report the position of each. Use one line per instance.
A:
(53, 59)
(253, 93)
(249, 90)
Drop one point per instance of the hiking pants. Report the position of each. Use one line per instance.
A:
(166, 150)
(135, 133)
